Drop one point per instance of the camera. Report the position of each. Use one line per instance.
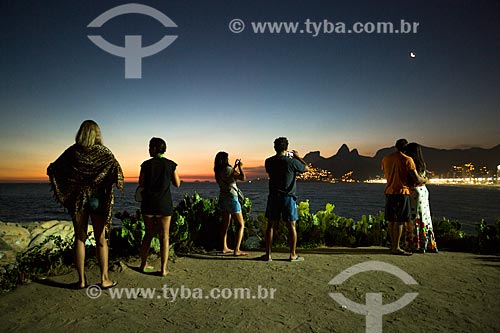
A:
(289, 154)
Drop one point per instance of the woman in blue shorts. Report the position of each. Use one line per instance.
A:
(226, 176)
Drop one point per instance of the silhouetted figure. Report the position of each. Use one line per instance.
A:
(82, 180)
(419, 234)
(282, 169)
(155, 178)
(400, 172)
(230, 207)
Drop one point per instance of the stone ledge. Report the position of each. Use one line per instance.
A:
(19, 237)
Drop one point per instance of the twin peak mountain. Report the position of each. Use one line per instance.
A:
(439, 161)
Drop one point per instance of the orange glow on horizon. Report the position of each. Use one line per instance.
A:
(16, 167)
(35, 176)
(45, 179)
(34, 168)
(192, 166)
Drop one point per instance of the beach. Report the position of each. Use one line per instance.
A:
(457, 292)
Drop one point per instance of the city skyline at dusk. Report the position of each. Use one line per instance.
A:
(215, 89)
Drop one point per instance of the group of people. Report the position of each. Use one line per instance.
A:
(407, 200)
(282, 169)
(82, 180)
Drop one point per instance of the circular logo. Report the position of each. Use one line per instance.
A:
(374, 308)
(93, 291)
(236, 26)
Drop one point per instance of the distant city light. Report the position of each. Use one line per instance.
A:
(466, 174)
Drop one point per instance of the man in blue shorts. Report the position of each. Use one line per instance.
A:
(399, 171)
(282, 169)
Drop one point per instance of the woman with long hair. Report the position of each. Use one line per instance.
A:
(226, 176)
(82, 180)
(419, 233)
(155, 178)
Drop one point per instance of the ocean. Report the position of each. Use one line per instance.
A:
(467, 204)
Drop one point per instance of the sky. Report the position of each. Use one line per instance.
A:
(215, 90)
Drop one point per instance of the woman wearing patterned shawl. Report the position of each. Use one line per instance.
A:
(82, 181)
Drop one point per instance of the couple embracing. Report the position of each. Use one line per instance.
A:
(407, 200)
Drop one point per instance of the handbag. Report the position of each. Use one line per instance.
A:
(138, 194)
(241, 197)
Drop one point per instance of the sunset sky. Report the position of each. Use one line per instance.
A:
(213, 89)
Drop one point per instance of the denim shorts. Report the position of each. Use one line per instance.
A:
(97, 203)
(229, 204)
(281, 207)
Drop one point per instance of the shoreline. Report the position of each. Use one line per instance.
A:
(431, 182)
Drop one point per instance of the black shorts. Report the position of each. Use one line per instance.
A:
(397, 208)
(157, 204)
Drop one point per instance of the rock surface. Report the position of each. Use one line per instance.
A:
(14, 237)
(19, 237)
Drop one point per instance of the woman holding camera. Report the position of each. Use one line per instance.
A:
(226, 176)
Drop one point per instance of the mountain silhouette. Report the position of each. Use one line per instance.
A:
(439, 161)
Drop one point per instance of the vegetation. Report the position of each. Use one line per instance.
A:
(36, 262)
(127, 239)
(326, 228)
(488, 238)
(196, 226)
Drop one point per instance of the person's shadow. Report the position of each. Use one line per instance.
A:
(57, 284)
(138, 270)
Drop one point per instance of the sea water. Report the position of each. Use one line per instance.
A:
(467, 204)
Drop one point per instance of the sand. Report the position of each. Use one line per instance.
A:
(457, 292)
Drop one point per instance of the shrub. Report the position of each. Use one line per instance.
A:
(37, 262)
(127, 239)
(195, 226)
(488, 236)
(326, 228)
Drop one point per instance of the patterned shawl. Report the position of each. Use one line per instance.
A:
(79, 172)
